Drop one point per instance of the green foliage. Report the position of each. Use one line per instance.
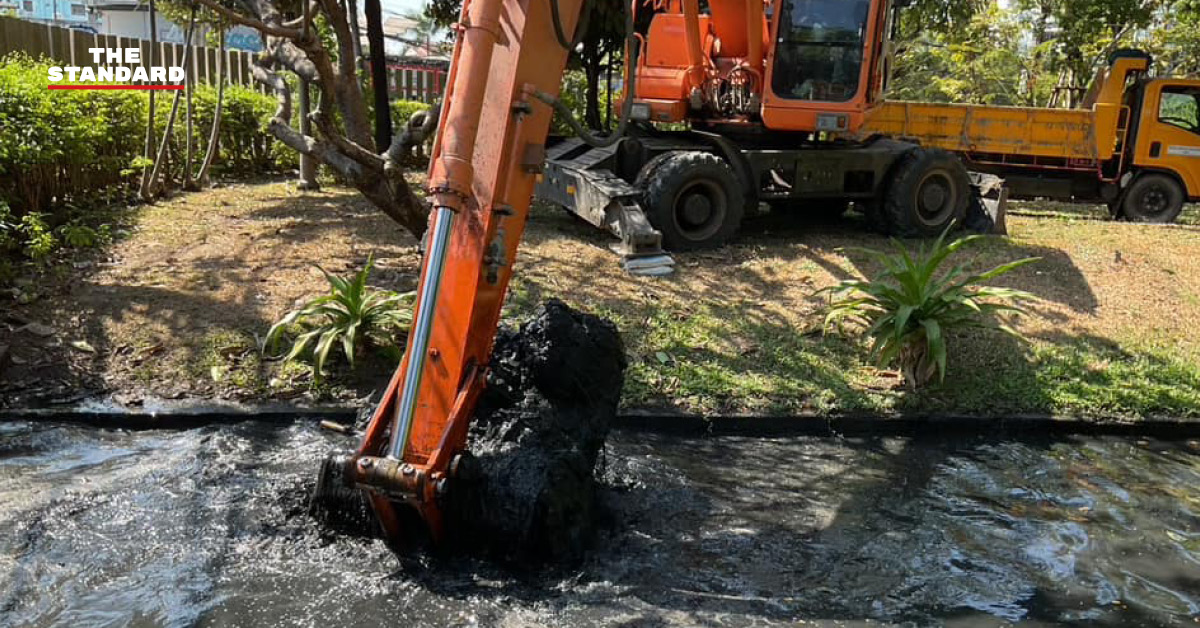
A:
(574, 96)
(78, 236)
(245, 145)
(908, 308)
(402, 110)
(59, 145)
(38, 240)
(65, 151)
(1033, 52)
(351, 315)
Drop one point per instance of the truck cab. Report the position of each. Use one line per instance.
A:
(1168, 132)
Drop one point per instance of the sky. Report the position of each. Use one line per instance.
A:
(401, 7)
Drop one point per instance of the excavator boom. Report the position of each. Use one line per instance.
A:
(486, 158)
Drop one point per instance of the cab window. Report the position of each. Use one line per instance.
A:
(819, 50)
(1180, 107)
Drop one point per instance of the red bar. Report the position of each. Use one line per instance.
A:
(175, 87)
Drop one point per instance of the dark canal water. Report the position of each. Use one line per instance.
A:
(205, 527)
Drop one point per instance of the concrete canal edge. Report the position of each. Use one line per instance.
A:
(187, 415)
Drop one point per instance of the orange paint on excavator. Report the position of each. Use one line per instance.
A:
(481, 177)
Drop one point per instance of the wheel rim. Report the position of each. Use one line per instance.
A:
(700, 210)
(936, 199)
(1155, 201)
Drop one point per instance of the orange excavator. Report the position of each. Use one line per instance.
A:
(491, 150)
(780, 97)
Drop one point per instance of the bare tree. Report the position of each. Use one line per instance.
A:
(342, 133)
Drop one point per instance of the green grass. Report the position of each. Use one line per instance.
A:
(739, 331)
(1071, 376)
(720, 360)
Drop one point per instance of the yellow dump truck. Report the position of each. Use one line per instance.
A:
(1134, 145)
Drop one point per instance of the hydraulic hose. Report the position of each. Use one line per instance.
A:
(580, 28)
(631, 44)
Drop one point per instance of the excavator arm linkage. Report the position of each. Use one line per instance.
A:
(486, 158)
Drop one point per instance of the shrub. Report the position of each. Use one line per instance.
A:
(351, 315)
(402, 110)
(60, 145)
(63, 152)
(574, 95)
(244, 144)
(908, 308)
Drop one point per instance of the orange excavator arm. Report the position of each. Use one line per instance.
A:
(487, 155)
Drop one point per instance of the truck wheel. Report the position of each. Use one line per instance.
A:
(693, 198)
(929, 189)
(1153, 198)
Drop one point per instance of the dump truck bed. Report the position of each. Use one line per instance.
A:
(1074, 134)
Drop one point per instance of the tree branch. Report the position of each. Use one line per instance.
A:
(256, 24)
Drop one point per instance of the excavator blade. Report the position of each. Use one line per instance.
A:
(989, 205)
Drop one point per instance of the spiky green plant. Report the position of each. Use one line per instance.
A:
(909, 306)
(351, 315)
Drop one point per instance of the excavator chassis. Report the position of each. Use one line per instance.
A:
(603, 185)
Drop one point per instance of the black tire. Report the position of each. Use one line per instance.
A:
(693, 198)
(1153, 198)
(872, 211)
(929, 189)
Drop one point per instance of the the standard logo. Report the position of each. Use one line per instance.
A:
(127, 74)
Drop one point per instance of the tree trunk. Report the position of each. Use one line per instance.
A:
(188, 183)
(608, 93)
(379, 83)
(352, 5)
(166, 138)
(214, 135)
(144, 190)
(308, 165)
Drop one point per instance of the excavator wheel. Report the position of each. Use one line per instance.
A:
(693, 198)
(1153, 198)
(929, 189)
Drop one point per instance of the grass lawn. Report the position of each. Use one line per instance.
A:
(176, 308)
(739, 330)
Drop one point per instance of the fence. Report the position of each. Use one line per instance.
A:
(68, 45)
(415, 82)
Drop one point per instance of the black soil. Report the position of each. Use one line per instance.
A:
(551, 397)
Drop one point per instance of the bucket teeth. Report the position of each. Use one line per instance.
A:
(337, 507)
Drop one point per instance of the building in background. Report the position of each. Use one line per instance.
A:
(66, 13)
(131, 18)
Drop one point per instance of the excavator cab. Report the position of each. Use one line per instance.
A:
(820, 69)
(790, 65)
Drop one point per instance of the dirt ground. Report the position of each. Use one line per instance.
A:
(177, 310)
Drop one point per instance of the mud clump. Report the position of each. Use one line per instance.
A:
(541, 423)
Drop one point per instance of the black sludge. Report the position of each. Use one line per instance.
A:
(551, 397)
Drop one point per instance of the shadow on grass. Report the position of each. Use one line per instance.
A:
(202, 309)
(739, 328)
(1060, 373)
